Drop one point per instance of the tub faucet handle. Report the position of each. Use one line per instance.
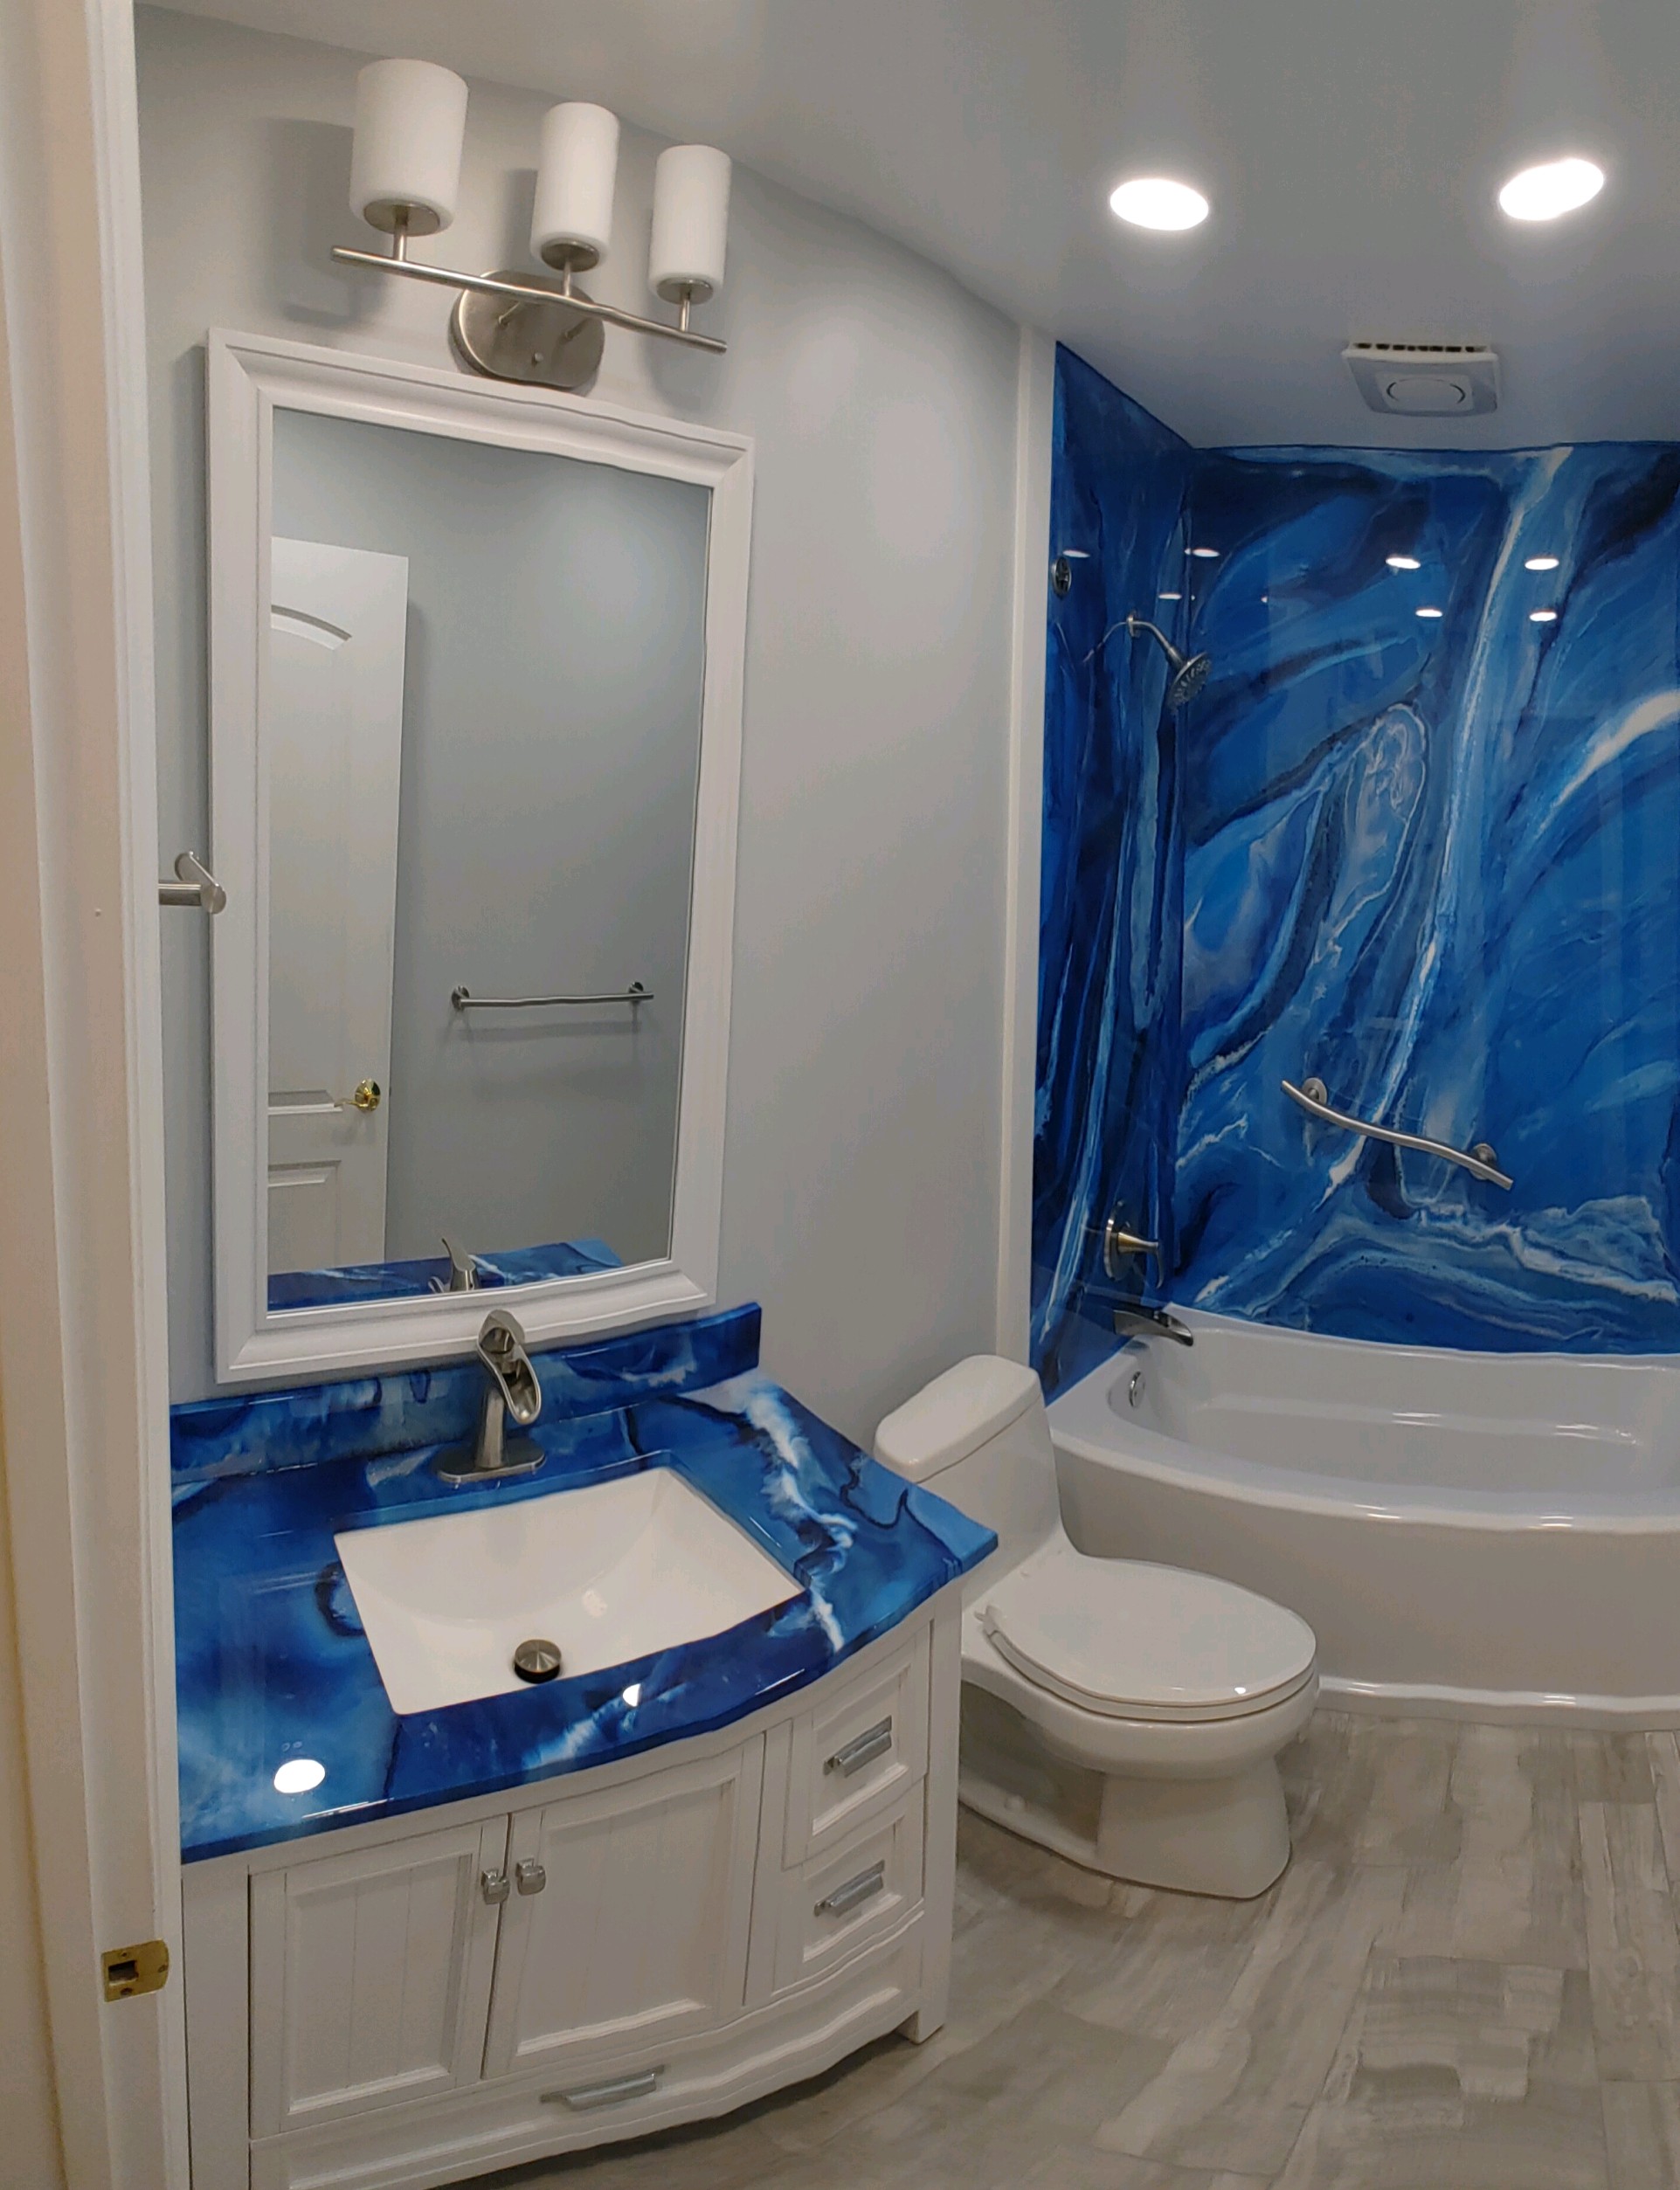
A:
(1118, 1243)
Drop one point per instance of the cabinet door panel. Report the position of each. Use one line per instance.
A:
(639, 1931)
(370, 1976)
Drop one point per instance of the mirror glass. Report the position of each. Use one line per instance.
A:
(480, 724)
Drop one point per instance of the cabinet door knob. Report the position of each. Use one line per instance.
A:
(493, 1884)
(529, 1876)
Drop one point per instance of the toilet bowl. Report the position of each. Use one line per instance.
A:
(1127, 1715)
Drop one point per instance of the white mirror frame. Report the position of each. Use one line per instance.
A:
(249, 377)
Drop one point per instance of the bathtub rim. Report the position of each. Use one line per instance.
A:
(1080, 1415)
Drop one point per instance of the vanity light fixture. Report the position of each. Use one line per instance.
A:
(1541, 562)
(411, 118)
(1554, 187)
(1156, 201)
(1402, 562)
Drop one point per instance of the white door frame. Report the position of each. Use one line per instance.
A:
(83, 1359)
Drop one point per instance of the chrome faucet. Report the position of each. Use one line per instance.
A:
(512, 1388)
(1133, 1320)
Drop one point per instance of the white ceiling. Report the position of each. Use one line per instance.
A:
(1351, 147)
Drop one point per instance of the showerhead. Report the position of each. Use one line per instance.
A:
(1186, 674)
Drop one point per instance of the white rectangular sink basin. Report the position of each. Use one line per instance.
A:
(610, 1571)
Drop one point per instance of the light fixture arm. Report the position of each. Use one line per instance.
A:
(520, 292)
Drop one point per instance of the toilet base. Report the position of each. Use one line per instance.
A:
(1228, 1838)
(1224, 1834)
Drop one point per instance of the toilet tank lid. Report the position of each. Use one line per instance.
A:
(955, 1414)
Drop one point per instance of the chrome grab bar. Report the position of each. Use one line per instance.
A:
(1480, 1161)
(464, 1001)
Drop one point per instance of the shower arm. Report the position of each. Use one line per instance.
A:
(1480, 1161)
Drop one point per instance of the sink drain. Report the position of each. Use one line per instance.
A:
(537, 1659)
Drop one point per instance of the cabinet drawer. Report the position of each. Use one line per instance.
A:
(858, 1752)
(851, 1896)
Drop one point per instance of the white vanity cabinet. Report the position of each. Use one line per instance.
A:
(393, 2006)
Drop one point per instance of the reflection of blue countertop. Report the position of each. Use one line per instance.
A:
(418, 1279)
(272, 1662)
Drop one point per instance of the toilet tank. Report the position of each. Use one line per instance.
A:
(978, 1435)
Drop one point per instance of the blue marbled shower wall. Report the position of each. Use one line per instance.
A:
(1434, 861)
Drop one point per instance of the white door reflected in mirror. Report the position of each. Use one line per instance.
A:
(335, 739)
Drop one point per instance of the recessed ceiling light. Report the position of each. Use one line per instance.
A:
(1542, 616)
(1205, 555)
(1541, 562)
(1402, 562)
(1432, 613)
(1155, 201)
(1169, 597)
(1554, 188)
(300, 1775)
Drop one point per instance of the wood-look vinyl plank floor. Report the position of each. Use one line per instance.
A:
(1468, 1978)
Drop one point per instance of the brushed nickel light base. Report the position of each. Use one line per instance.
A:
(545, 345)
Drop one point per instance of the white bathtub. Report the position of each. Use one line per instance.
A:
(1470, 1534)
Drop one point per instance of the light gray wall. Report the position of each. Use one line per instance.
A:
(860, 1196)
(551, 750)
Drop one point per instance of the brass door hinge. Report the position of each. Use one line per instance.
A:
(129, 1970)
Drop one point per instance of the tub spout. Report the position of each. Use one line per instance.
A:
(1135, 1320)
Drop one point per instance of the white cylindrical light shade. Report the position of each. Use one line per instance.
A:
(691, 221)
(410, 119)
(576, 170)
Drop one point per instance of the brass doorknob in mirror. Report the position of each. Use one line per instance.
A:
(367, 1095)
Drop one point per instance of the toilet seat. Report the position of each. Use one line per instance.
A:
(1127, 1640)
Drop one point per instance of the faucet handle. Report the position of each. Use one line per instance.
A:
(501, 1349)
(463, 1271)
(1117, 1241)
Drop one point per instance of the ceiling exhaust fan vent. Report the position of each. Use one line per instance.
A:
(1426, 380)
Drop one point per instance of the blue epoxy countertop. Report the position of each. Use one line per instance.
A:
(273, 1665)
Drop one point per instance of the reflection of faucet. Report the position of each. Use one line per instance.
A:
(512, 1389)
(1133, 1320)
(463, 1272)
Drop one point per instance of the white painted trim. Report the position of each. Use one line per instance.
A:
(1034, 420)
(83, 1370)
(249, 376)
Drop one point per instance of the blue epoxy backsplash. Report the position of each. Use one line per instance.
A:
(1435, 861)
(273, 1665)
(364, 1417)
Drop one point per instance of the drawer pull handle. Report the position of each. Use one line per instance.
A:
(864, 1887)
(529, 1876)
(614, 2093)
(862, 1751)
(493, 1884)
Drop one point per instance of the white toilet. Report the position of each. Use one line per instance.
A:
(1127, 1715)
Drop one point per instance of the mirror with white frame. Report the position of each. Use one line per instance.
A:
(475, 694)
